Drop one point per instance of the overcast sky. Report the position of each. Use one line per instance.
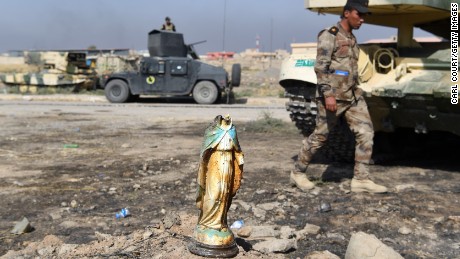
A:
(67, 24)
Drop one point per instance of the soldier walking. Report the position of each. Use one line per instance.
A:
(338, 95)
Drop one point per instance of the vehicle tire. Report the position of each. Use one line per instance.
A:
(236, 74)
(205, 92)
(117, 91)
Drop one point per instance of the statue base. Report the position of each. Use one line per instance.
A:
(213, 243)
(213, 251)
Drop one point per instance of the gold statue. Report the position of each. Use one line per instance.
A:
(219, 178)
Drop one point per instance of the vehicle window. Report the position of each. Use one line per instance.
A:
(179, 67)
(161, 67)
(153, 69)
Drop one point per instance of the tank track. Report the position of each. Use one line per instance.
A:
(340, 146)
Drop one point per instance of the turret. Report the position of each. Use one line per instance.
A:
(166, 44)
(428, 15)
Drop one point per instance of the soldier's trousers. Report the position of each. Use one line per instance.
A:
(357, 116)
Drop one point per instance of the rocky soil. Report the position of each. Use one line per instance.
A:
(68, 172)
(148, 164)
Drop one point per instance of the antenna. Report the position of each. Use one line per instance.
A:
(223, 37)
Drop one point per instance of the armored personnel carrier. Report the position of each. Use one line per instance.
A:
(406, 83)
(52, 70)
(173, 69)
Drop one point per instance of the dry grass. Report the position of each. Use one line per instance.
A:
(267, 124)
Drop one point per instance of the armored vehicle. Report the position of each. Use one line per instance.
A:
(173, 69)
(406, 82)
(52, 69)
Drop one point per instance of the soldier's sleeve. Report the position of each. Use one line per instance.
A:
(326, 44)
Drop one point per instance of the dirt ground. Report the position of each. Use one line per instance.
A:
(70, 195)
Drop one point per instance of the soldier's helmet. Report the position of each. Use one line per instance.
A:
(358, 5)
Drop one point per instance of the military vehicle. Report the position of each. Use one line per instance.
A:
(406, 83)
(109, 61)
(52, 69)
(173, 69)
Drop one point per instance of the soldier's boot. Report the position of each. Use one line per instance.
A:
(299, 178)
(362, 183)
(367, 185)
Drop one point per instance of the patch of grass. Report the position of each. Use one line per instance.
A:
(267, 124)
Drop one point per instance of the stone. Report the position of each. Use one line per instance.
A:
(259, 232)
(321, 255)
(276, 246)
(101, 236)
(147, 234)
(286, 232)
(55, 214)
(268, 206)
(259, 213)
(454, 218)
(315, 191)
(246, 206)
(404, 230)
(66, 248)
(22, 227)
(335, 236)
(136, 187)
(343, 188)
(73, 204)
(233, 207)
(281, 197)
(325, 207)
(170, 219)
(245, 231)
(402, 187)
(69, 224)
(46, 251)
(364, 245)
(309, 229)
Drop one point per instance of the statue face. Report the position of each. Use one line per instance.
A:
(224, 122)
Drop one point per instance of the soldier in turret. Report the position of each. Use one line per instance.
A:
(338, 95)
(168, 25)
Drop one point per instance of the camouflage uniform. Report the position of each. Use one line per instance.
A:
(337, 73)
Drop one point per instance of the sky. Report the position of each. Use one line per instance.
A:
(225, 25)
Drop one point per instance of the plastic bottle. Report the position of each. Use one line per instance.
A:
(123, 213)
(237, 224)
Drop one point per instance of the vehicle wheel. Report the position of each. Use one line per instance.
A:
(205, 92)
(117, 91)
(236, 74)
